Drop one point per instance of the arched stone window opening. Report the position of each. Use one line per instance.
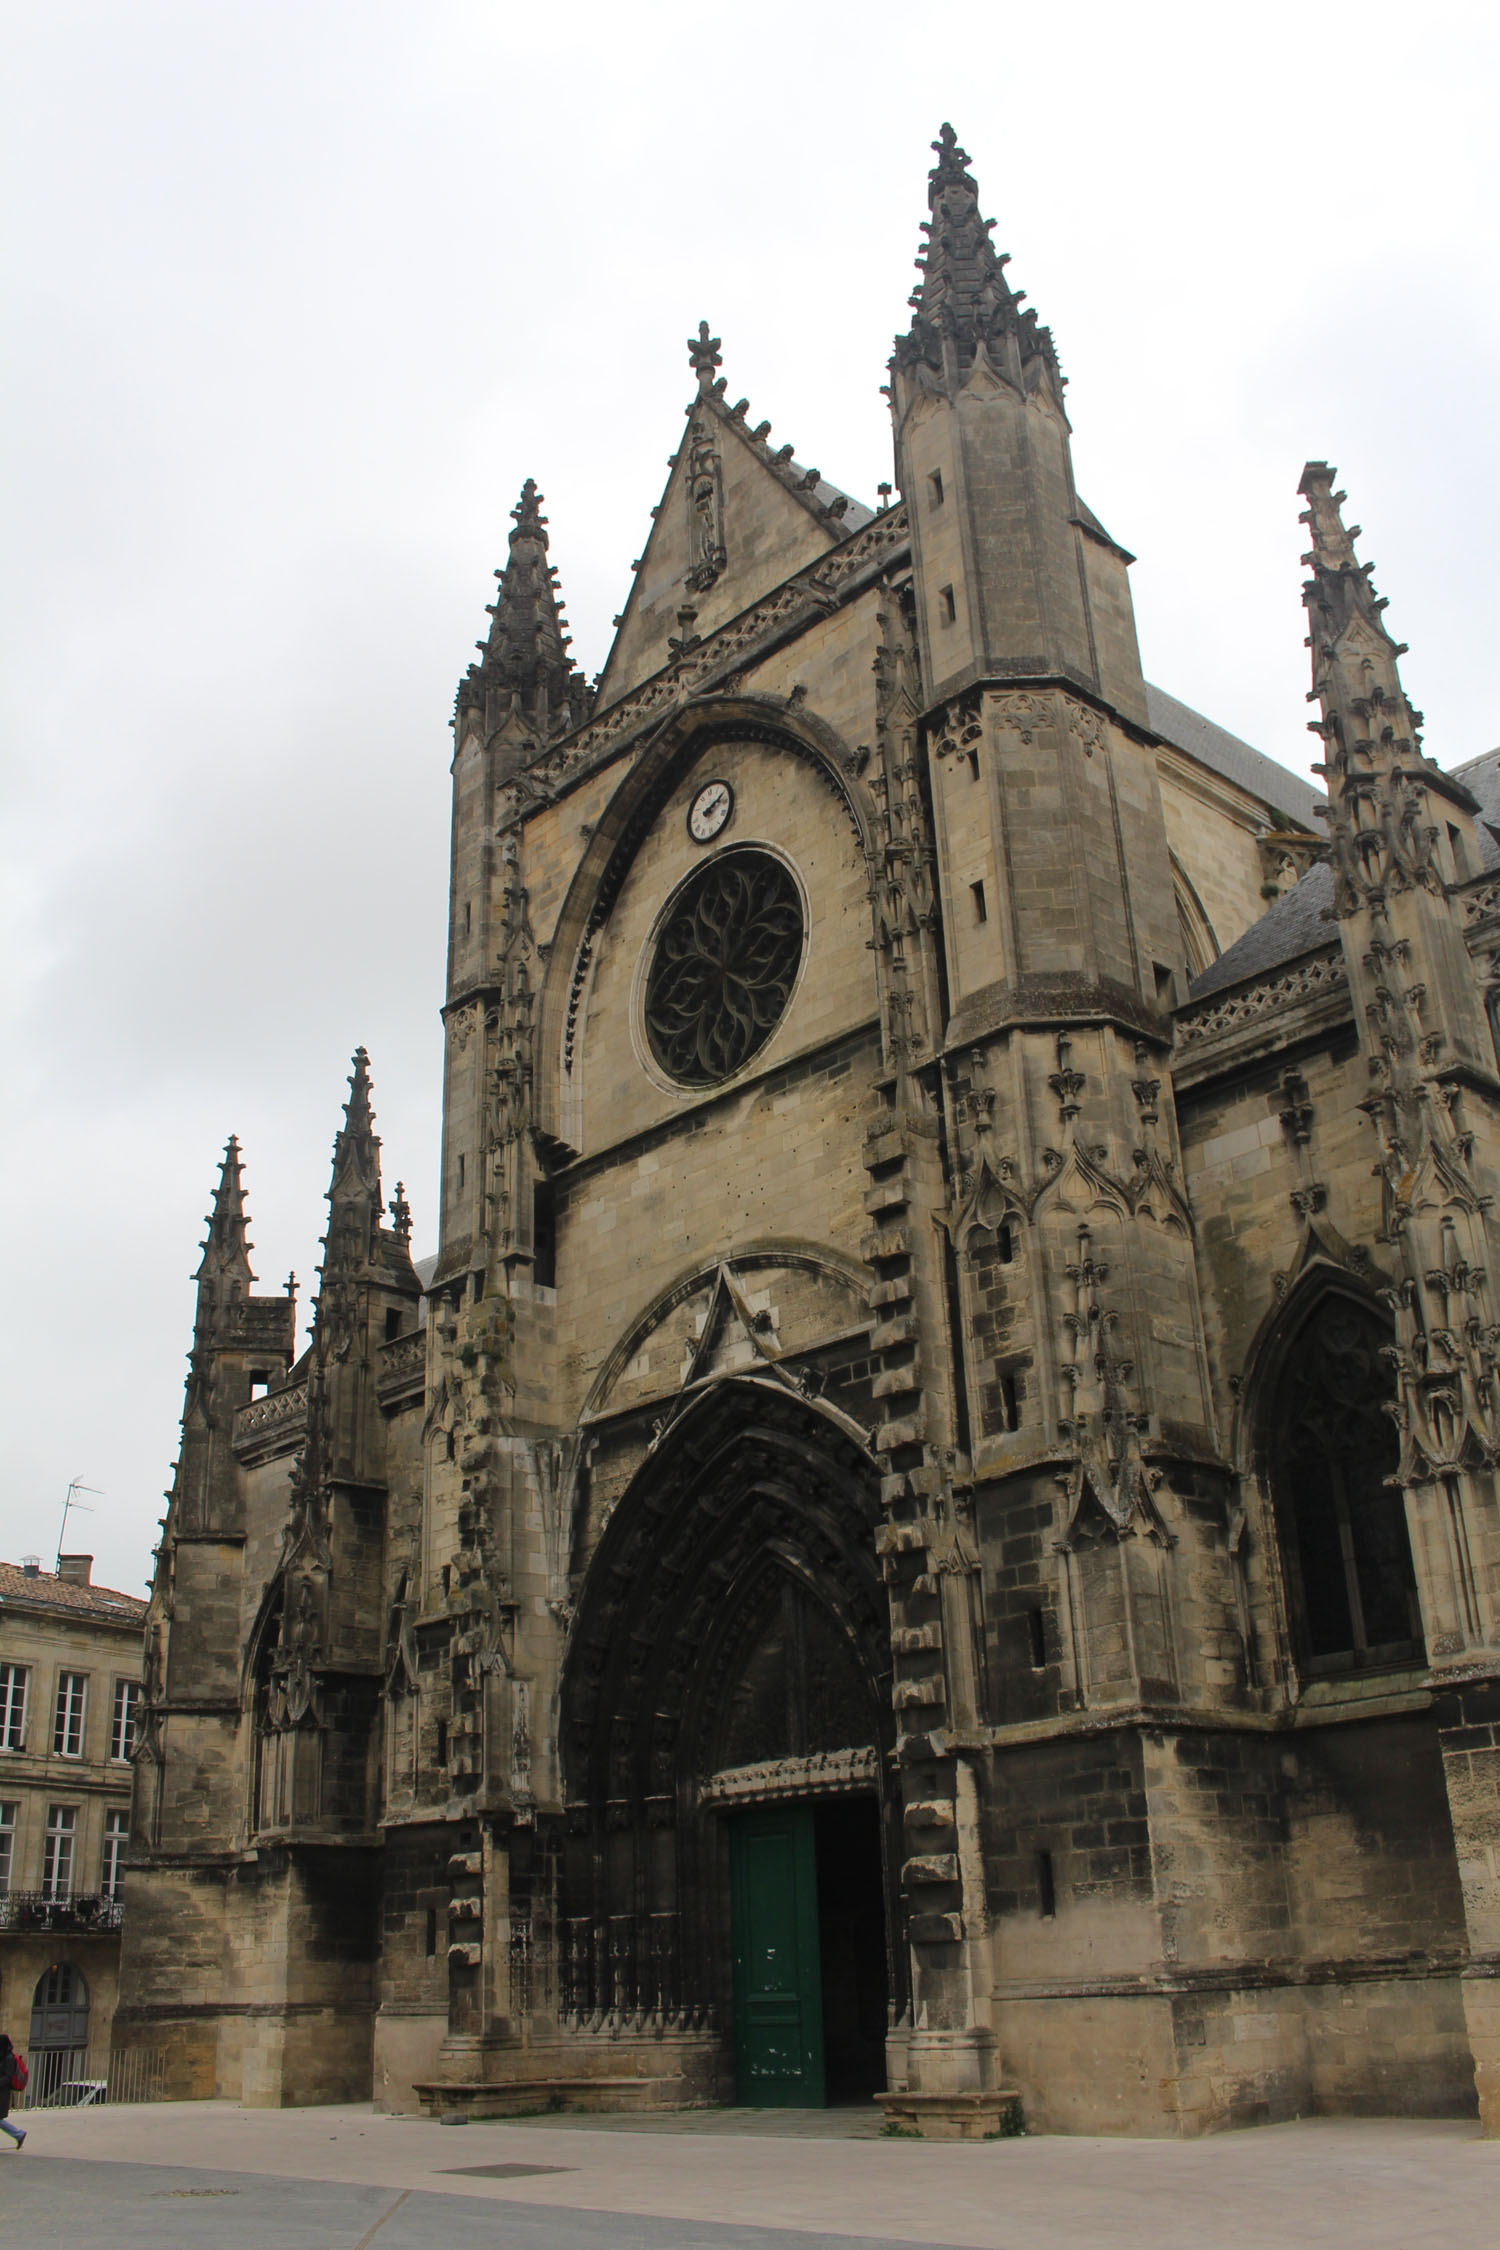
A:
(1330, 1448)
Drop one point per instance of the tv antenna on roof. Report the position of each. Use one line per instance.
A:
(72, 1504)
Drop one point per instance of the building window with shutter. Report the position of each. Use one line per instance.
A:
(57, 1855)
(122, 1725)
(7, 1843)
(67, 1729)
(13, 1706)
(116, 1830)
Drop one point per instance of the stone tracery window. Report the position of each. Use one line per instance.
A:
(725, 962)
(1343, 1526)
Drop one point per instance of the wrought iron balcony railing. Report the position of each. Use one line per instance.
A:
(34, 1910)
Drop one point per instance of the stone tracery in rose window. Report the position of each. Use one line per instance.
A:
(724, 966)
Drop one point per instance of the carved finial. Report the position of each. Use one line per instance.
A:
(401, 1214)
(703, 351)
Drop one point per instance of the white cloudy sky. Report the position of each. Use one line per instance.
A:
(297, 296)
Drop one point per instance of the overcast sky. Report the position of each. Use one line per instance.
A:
(299, 294)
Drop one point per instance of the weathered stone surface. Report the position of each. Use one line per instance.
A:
(898, 1368)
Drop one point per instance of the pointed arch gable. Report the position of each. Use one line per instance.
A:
(764, 1254)
(645, 789)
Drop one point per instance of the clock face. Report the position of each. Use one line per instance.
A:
(709, 810)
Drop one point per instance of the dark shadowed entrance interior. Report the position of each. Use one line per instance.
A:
(851, 1945)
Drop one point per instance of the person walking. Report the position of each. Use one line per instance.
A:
(8, 2076)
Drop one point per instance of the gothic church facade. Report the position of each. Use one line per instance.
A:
(931, 1532)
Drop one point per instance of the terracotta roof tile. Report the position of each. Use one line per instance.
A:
(46, 1592)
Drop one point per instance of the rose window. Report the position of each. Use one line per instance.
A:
(724, 967)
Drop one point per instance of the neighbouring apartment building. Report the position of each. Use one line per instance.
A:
(70, 1696)
(931, 1532)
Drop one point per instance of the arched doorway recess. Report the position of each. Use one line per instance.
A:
(59, 2030)
(726, 1721)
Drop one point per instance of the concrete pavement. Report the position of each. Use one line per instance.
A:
(344, 2178)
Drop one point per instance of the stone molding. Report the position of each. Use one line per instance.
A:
(830, 1773)
(1314, 977)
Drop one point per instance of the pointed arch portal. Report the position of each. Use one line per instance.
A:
(726, 1712)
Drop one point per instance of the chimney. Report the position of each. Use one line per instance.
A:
(31, 1566)
(75, 1570)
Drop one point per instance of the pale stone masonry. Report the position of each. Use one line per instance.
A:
(930, 1530)
(70, 1700)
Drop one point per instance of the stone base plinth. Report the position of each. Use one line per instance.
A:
(991, 2114)
(525, 2097)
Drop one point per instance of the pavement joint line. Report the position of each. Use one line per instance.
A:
(366, 2239)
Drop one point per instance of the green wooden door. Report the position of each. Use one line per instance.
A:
(778, 2011)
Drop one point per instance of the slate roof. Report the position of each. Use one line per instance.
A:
(1293, 926)
(1482, 775)
(1224, 753)
(46, 1592)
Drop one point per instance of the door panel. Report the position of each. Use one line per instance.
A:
(778, 2017)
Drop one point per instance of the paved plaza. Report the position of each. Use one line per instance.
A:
(179, 2174)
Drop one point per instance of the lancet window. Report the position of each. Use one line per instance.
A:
(1332, 1450)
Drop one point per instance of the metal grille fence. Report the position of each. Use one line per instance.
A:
(81, 2077)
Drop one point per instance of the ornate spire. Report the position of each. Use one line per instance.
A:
(354, 1199)
(356, 1150)
(525, 672)
(1380, 834)
(964, 305)
(227, 1250)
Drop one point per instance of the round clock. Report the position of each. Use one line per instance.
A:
(709, 811)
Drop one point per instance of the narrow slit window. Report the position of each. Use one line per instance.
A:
(1036, 1630)
(973, 758)
(947, 606)
(392, 1323)
(935, 483)
(981, 910)
(460, 1175)
(431, 1932)
(442, 1742)
(1010, 1403)
(1046, 1886)
(544, 1235)
(1005, 1243)
(1166, 986)
(1460, 854)
(468, 916)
